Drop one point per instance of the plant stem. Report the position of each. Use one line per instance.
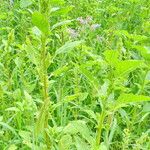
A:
(100, 126)
(46, 98)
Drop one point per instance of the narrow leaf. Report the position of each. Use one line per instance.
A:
(61, 24)
(68, 47)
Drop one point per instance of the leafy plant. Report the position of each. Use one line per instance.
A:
(74, 74)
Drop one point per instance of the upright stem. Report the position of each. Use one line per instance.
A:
(45, 87)
(99, 129)
(44, 69)
(103, 113)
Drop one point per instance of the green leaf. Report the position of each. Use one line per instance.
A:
(26, 137)
(48, 60)
(81, 144)
(25, 3)
(91, 114)
(5, 125)
(146, 107)
(79, 126)
(15, 109)
(103, 146)
(125, 99)
(57, 2)
(124, 67)
(145, 51)
(68, 47)
(65, 142)
(12, 147)
(90, 77)
(61, 24)
(41, 22)
(63, 10)
(112, 130)
(111, 56)
(61, 70)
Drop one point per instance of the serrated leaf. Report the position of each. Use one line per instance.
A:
(68, 47)
(41, 22)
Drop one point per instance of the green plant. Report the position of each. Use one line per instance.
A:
(74, 74)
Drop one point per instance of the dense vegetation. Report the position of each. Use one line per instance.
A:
(74, 74)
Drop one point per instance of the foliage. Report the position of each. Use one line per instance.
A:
(74, 74)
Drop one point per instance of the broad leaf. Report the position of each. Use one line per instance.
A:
(124, 67)
(111, 56)
(81, 144)
(65, 142)
(125, 99)
(41, 22)
(145, 51)
(79, 126)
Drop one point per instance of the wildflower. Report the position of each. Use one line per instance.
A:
(82, 21)
(95, 26)
(89, 19)
(72, 32)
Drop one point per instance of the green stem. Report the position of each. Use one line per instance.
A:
(100, 127)
(45, 88)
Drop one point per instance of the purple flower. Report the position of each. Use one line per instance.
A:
(72, 32)
(82, 21)
(95, 26)
(89, 19)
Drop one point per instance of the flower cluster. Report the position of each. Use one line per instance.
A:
(88, 21)
(85, 21)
